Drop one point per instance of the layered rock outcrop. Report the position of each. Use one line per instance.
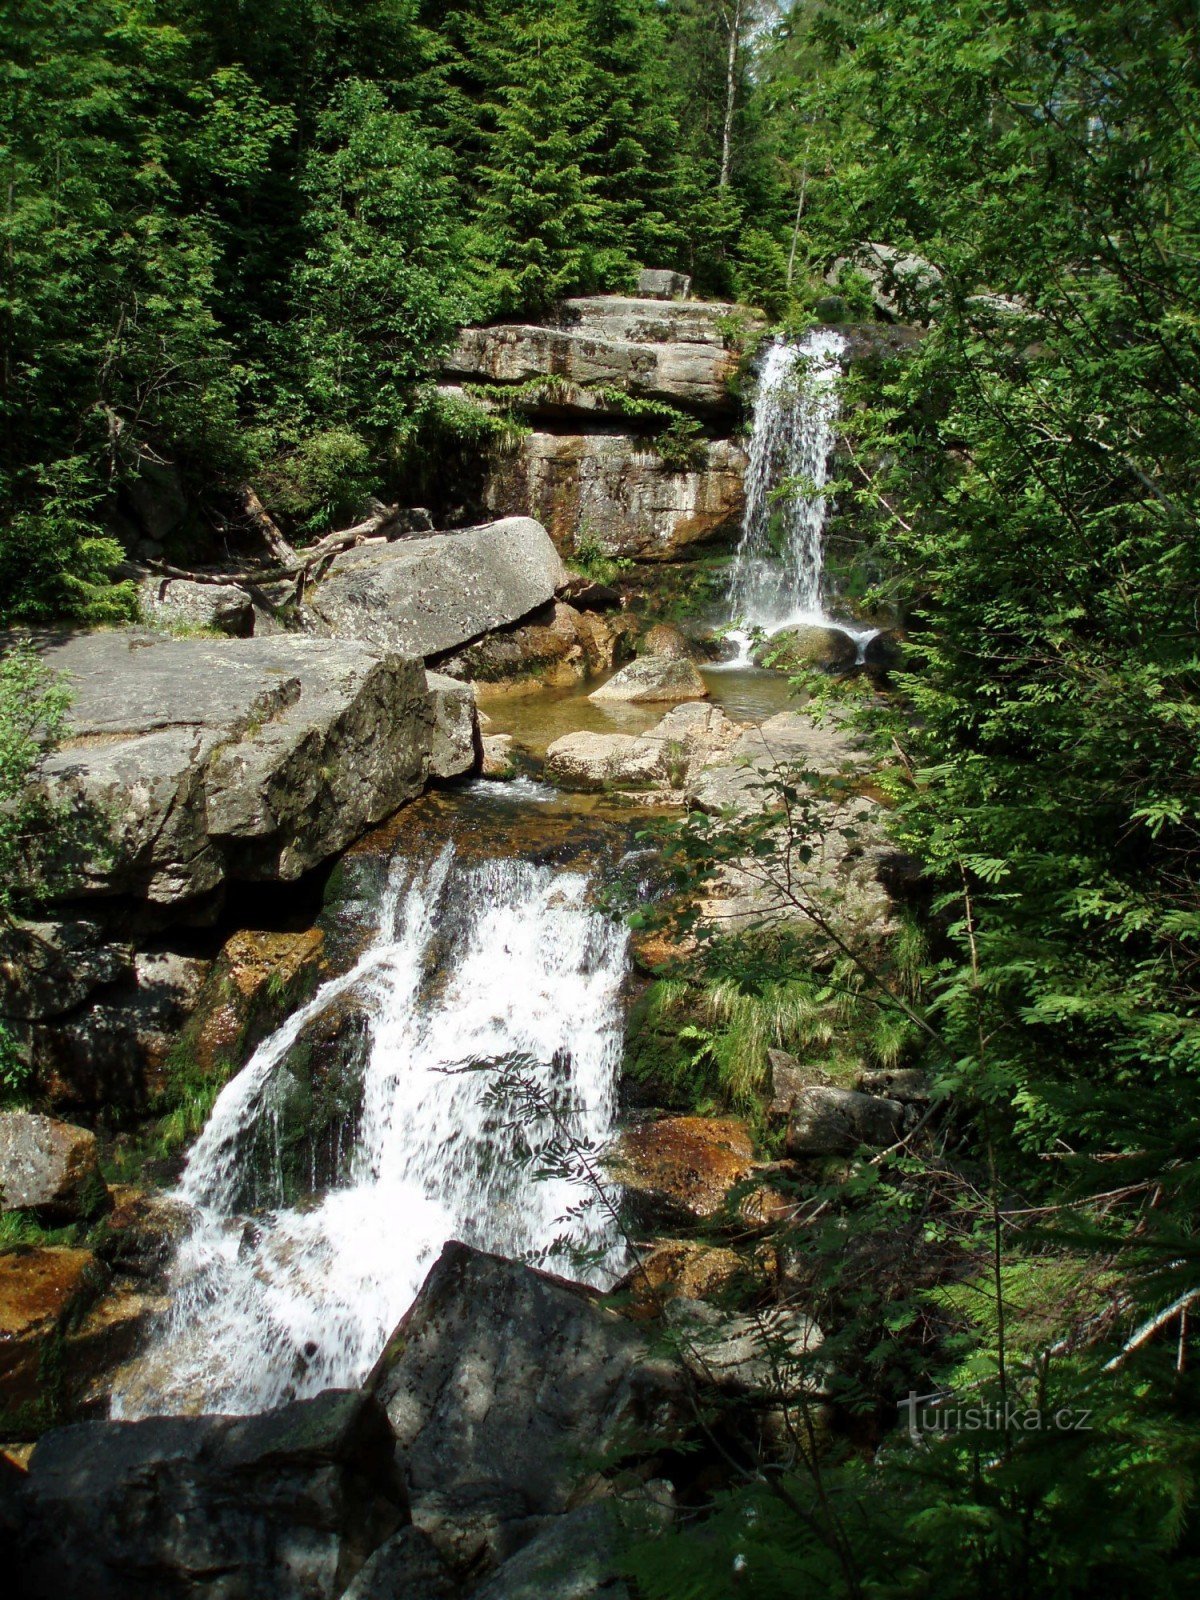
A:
(598, 387)
(677, 352)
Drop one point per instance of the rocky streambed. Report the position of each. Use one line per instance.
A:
(514, 1416)
(366, 1239)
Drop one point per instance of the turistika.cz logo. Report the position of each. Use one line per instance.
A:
(943, 1413)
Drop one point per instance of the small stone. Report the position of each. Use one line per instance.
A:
(652, 678)
(49, 1167)
(498, 756)
(788, 1079)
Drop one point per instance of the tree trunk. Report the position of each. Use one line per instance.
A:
(735, 31)
(796, 230)
(265, 526)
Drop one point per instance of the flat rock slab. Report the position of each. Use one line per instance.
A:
(648, 319)
(192, 761)
(429, 595)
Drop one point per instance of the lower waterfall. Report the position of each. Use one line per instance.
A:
(477, 977)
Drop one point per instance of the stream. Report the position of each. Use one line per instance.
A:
(481, 1022)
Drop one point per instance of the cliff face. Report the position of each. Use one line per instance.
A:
(598, 389)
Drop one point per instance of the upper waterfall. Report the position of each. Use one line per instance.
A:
(476, 976)
(778, 567)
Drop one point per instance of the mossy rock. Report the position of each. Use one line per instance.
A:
(807, 645)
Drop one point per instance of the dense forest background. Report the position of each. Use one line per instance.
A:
(235, 239)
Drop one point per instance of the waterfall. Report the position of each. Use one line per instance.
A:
(777, 568)
(476, 976)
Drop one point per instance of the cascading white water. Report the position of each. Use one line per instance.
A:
(778, 566)
(478, 976)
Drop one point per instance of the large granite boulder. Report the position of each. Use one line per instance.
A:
(555, 646)
(903, 286)
(288, 1504)
(658, 283)
(692, 375)
(617, 490)
(576, 1558)
(48, 968)
(194, 761)
(427, 595)
(651, 679)
(49, 1167)
(807, 645)
(509, 1392)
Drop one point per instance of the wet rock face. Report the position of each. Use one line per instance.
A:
(675, 1268)
(49, 1167)
(653, 678)
(683, 1170)
(39, 1290)
(197, 761)
(431, 594)
(65, 1325)
(614, 491)
(288, 1504)
(506, 1389)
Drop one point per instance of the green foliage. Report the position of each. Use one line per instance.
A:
(33, 707)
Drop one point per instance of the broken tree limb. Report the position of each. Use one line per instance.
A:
(302, 565)
(267, 528)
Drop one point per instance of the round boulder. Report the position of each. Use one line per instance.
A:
(665, 639)
(653, 678)
(807, 645)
